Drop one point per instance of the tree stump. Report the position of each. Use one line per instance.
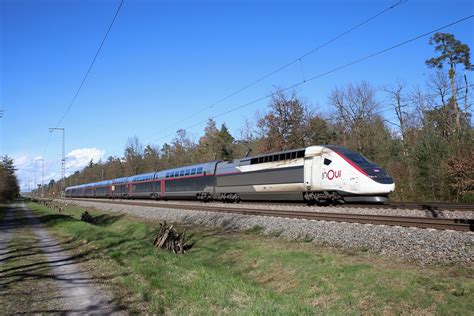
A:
(168, 238)
(86, 217)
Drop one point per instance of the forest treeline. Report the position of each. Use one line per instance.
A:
(422, 136)
(9, 189)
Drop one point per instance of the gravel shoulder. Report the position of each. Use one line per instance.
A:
(39, 276)
(344, 209)
(425, 246)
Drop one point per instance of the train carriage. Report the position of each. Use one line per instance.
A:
(102, 188)
(190, 182)
(143, 185)
(276, 176)
(316, 174)
(119, 188)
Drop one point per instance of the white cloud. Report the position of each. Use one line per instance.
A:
(79, 158)
(29, 166)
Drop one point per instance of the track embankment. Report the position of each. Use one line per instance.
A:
(423, 245)
(321, 214)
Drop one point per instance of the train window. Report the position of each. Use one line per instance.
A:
(176, 173)
(181, 173)
(327, 162)
(167, 175)
(254, 161)
(359, 160)
(300, 154)
(293, 155)
(288, 156)
(187, 172)
(199, 170)
(193, 171)
(282, 157)
(260, 160)
(265, 159)
(275, 158)
(270, 158)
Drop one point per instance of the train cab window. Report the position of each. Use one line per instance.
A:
(187, 172)
(327, 162)
(193, 171)
(359, 160)
(199, 170)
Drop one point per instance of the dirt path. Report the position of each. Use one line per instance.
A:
(54, 278)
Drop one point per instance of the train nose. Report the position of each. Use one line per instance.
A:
(392, 187)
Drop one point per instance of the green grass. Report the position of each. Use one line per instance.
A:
(246, 273)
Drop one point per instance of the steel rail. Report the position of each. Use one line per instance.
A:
(405, 221)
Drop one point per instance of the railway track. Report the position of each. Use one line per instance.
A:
(419, 206)
(405, 221)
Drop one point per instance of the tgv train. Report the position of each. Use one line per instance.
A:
(315, 174)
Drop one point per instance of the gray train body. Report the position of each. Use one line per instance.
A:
(318, 174)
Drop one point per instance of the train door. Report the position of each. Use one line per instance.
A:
(311, 173)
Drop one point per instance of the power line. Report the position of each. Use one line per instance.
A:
(329, 72)
(288, 64)
(80, 87)
(91, 65)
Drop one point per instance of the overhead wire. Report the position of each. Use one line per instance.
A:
(329, 72)
(91, 65)
(286, 65)
(85, 76)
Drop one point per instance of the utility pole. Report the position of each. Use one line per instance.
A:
(42, 176)
(2, 112)
(63, 159)
(35, 187)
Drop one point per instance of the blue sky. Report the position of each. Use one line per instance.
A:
(165, 60)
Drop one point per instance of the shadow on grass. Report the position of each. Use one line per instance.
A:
(105, 220)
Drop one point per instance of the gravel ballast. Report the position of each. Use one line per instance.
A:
(344, 209)
(426, 246)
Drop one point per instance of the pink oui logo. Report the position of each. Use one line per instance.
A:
(331, 174)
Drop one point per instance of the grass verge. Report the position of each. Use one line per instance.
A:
(246, 273)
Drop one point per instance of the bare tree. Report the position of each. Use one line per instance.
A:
(133, 156)
(355, 106)
(284, 123)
